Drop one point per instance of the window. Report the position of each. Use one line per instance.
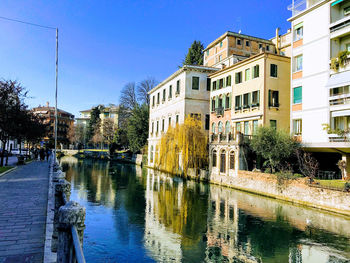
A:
(273, 70)
(298, 63)
(163, 125)
(227, 101)
(228, 81)
(267, 48)
(220, 127)
(273, 98)
(246, 100)
(151, 157)
(223, 162)
(221, 44)
(255, 98)
(177, 119)
(220, 58)
(207, 119)
(158, 98)
(214, 85)
(213, 104)
(238, 127)
(260, 46)
(298, 32)
(339, 91)
(152, 129)
(238, 77)
(247, 43)
(195, 83)
(227, 127)
(163, 95)
(157, 127)
(255, 71)
(347, 11)
(214, 158)
(207, 52)
(213, 128)
(170, 91)
(169, 124)
(247, 74)
(297, 127)
(255, 125)
(153, 100)
(246, 128)
(221, 83)
(220, 103)
(273, 124)
(238, 102)
(239, 42)
(177, 87)
(297, 95)
(208, 84)
(232, 160)
(348, 45)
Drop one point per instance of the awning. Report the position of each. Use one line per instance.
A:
(339, 80)
(256, 117)
(336, 2)
(340, 113)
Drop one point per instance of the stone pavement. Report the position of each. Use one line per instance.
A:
(23, 202)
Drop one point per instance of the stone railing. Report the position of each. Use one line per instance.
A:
(68, 225)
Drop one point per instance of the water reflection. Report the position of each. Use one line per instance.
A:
(139, 215)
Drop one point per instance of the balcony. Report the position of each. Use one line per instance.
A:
(340, 18)
(219, 111)
(338, 138)
(298, 6)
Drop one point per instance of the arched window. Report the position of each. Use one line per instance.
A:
(227, 127)
(213, 128)
(220, 127)
(214, 159)
(151, 155)
(232, 160)
(223, 162)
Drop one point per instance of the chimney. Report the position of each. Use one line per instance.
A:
(47, 104)
(277, 40)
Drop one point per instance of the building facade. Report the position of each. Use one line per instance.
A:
(106, 112)
(254, 92)
(65, 120)
(320, 104)
(184, 93)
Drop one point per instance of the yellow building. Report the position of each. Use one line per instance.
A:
(106, 112)
(251, 93)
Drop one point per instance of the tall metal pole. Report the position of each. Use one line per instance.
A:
(56, 117)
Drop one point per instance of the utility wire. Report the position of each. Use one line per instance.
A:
(27, 23)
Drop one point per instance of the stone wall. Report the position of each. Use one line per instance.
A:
(293, 190)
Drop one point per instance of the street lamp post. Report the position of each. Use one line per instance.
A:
(51, 28)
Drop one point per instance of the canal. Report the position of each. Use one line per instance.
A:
(140, 215)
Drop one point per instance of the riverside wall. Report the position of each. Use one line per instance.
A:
(292, 190)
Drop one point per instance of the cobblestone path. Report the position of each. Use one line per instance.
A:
(23, 201)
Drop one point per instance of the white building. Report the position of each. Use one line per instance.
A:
(184, 93)
(320, 95)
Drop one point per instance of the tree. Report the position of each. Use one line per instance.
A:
(94, 121)
(275, 146)
(97, 138)
(128, 97)
(71, 134)
(195, 54)
(308, 165)
(143, 88)
(187, 140)
(121, 138)
(137, 131)
(108, 131)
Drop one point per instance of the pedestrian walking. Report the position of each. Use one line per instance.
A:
(42, 154)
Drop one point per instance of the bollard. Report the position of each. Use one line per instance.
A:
(61, 187)
(71, 214)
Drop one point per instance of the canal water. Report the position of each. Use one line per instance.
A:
(140, 215)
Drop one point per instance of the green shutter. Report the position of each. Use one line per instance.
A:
(270, 98)
(249, 99)
(229, 101)
(223, 101)
(258, 97)
(218, 84)
(297, 95)
(216, 102)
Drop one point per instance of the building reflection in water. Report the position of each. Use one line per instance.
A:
(147, 215)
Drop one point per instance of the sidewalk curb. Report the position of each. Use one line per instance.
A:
(8, 171)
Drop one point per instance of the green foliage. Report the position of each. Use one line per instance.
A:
(347, 187)
(339, 132)
(121, 139)
(137, 131)
(275, 146)
(340, 60)
(195, 54)
(334, 64)
(93, 123)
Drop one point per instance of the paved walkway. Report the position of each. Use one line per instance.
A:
(23, 201)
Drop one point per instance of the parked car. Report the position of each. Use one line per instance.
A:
(17, 152)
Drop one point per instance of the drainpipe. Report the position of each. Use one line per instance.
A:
(277, 41)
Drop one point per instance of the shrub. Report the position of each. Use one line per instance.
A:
(347, 187)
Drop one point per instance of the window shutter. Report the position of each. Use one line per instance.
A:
(258, 97)
(277, 97)
(229, 100)
(249, 99)
(216, 102)
(223, 101)
(269, 97)
(257, 71)
(218, 84)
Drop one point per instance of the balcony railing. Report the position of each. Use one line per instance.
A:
(219, 111)
(338, 138)
(339, 101)
(344, 22)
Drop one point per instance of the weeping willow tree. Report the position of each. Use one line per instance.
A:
(183, 147)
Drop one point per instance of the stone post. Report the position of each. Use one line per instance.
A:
(62, 186)
(71, 214)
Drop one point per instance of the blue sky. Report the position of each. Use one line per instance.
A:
(104, 44)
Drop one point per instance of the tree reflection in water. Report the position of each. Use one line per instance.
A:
(140, 215)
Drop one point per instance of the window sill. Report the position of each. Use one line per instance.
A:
(297, 71)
